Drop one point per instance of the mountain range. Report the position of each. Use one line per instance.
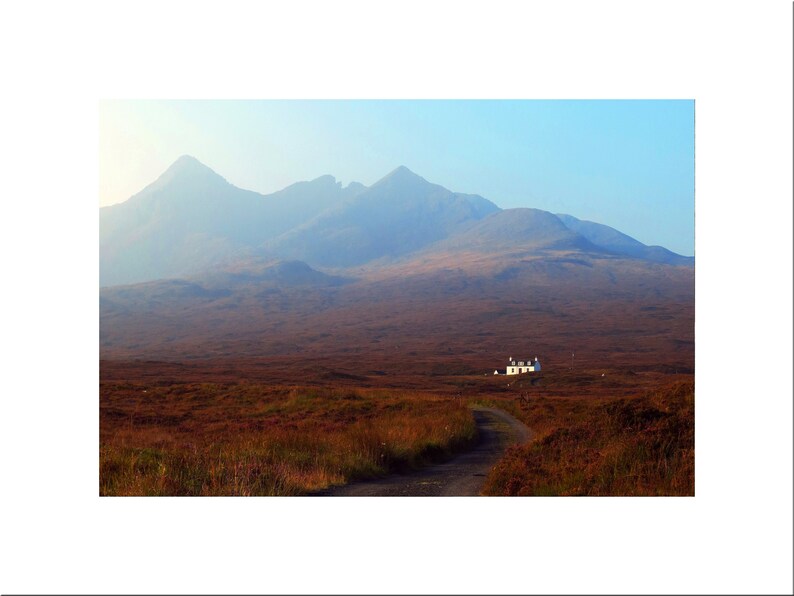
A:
(191, 219)
(403, 273)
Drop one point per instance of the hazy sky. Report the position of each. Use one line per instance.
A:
(627, 164)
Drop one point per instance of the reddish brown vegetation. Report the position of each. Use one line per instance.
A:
(441, 328)
(639, 446)
(251, 439)
(445, 321)
(169, 433)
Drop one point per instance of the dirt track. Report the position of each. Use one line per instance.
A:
(463, 475)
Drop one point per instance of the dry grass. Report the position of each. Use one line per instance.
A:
(634, 446)
(253, 439)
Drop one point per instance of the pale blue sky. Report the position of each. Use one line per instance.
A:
(627, 164)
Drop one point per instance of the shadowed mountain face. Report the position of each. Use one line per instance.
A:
(398, 215)
(191, 218)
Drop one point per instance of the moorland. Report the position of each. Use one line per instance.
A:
(279, 344)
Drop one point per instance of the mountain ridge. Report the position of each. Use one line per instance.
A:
(615, 241)
(400, 213)
(191, 219)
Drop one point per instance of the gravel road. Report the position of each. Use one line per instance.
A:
(464, 475)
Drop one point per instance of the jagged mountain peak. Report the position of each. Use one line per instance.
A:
(325, 179)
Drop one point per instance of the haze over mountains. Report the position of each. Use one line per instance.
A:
(397, 215)
(191, 220)
(619, 243)
(401, 275)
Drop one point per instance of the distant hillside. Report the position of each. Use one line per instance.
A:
(399, 214)
(413, 314)
(262, 272)
(252, 275)
(516, 229)
(619, 243)
(191, 218)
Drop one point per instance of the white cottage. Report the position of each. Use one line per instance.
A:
(515, 367)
